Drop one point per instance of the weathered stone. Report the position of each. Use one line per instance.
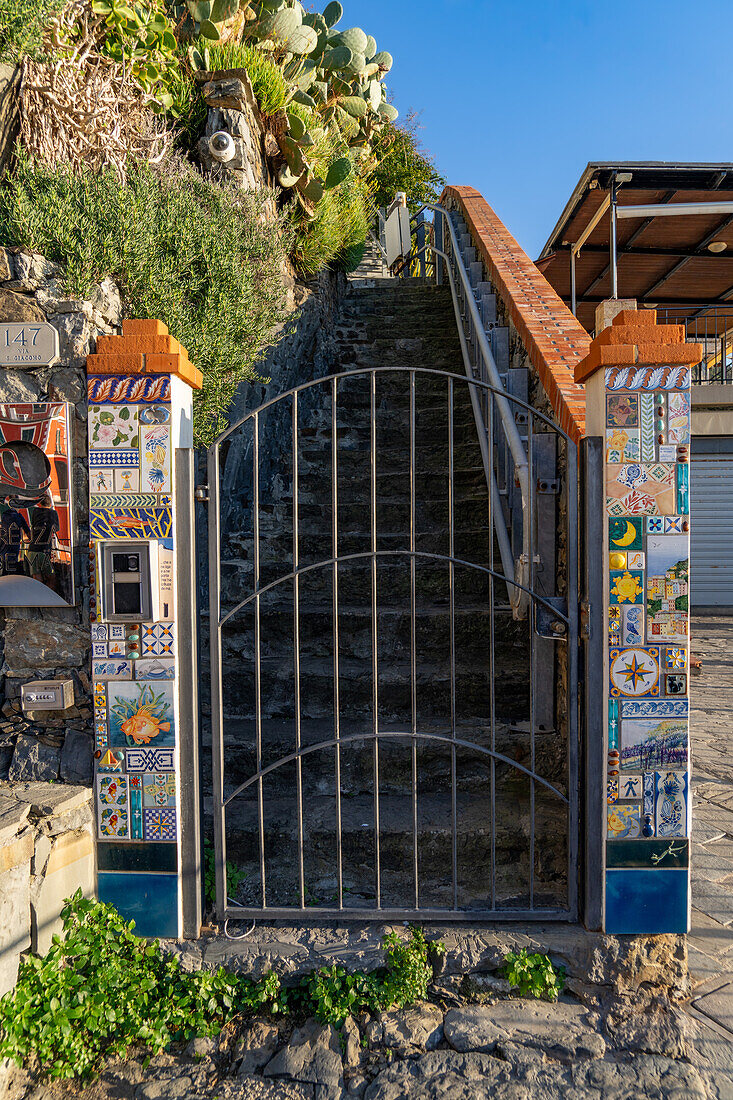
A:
(76, 335)
(202, 1046)
(18, 307)
(232, 92)
(35, 644)
(257, 1088)
(13, 815)
(312, 1055)
(34, 760)
(409, 1030)
(33, 270)
(654, 1031)
(77, 757)
(70, 867)
(17, 387)
(560, 1029)
(441, 1075)
(255, 1047)
(56, 802)
(105, 298)
(172, 1088)
(6, 265)
(351, 1040)
(15, 916)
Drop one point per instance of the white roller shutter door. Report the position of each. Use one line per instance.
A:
(711, 526)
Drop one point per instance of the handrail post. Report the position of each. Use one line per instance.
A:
(438, 237)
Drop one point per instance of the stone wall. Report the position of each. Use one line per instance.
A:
(46, 854)
(45, 643)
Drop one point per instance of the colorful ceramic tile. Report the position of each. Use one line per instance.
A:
(150, 900)
(678, 423)
(635, 560)
(111, 762)
(651, 743)
(136, 523)
(112, 668)
(108, 460)
(112, 390)
(675, 525)
(101, 480)
(632, 632)
(646, 426)
(113, 822)
(126, 479)
(613, 723)
(675, 683)
(647, 853)
(99, 632)
(158, 640)
(660, 419)
(612, 790)
(622, 445)
(655, 525)
(112, 426)
(647, 378)
(129, 500)
(112, 790)
(155, 414)
(649, 794)
(634, 672)
(626, 534)
(654, 708)
(142, 760)
(156, 461)
(614, 626)
(641, 901)
(623, 821)
(141, 713)
(117, 649)
(155, 668)
(160, 824)
(630, 788)
(116, 630)
(622, 410)
(675, 658)
(667, 581)
(99, 649)
(683, 489)
(136, 808)
(112, 804)
(159, 789)
(101, 738)
(671, 803)
(667, 453)
(617, 560)
(637, 489)
(626, 587)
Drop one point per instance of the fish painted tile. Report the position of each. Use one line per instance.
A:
(648, 744)
(640, 901)
(111, 668)
(113, 426)
(634, 671)
(141, 713)
(155, 668)
(131, 523)
(626, 533)
(156, 461)
(113, 806)
(638, 489)
(623, 821)
(671, 803)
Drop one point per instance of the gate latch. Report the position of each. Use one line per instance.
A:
(547, 622)
(201, 494)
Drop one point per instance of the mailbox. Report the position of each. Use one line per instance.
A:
(47, 695)
(127, 589)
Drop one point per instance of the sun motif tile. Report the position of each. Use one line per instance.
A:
(634, 672)
(626, 534)
(158, 640)
(626, 587)
(623, 821)
(160, 824)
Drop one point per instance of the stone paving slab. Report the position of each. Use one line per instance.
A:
(718, 1003)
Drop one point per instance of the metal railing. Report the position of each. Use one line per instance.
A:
(711, 326)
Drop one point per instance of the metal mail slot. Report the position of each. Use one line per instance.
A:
(126, 580)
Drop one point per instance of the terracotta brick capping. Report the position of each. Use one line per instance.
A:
(554, 339)
(634, 339)
(145, 347)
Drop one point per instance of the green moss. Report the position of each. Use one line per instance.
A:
(195, 254)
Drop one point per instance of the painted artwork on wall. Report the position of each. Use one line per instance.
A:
(667, 587)
(36, 507)
(140, 713)
(650, 743)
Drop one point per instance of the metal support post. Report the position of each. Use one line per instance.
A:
(612, 241)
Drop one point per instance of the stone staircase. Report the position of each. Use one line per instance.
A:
(400, 324)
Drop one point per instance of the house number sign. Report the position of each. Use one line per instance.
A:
(28, 345)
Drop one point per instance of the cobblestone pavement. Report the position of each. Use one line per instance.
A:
(710, 944)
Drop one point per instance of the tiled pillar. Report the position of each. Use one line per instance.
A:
(637, 377)
(140, 417)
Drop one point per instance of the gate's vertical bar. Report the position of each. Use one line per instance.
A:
(296, 650)
(258, 651)
(217, 733)
(491, 418)
(413, 641)
(420, 241)
(335, 613)
(452, 602)
(375, 664)
(594, 763)
(573, 702)
(532, 669)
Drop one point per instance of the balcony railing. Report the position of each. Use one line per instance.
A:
(711, 326)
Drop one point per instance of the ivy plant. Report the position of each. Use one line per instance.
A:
(534, 975)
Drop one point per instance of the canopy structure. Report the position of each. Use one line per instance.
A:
(679, 262)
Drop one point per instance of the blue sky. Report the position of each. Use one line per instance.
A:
(516, 98)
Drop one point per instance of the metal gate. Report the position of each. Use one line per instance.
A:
(376, 682)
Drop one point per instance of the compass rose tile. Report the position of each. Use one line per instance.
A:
(634, 672)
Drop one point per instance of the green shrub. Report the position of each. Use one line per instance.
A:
(23, 26)
(268, 83)
(100, 989)
(198, 255)
(404, 165)
(534, 975)
(235, 875)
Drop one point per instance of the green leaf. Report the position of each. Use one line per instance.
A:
(209, 30)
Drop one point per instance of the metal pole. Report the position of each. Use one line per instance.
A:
(573, 296)
(612, 242)
(217, 734)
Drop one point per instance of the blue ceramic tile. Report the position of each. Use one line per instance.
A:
(650, 902)
(150, 900)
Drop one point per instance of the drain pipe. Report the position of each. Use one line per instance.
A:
(520, 570)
